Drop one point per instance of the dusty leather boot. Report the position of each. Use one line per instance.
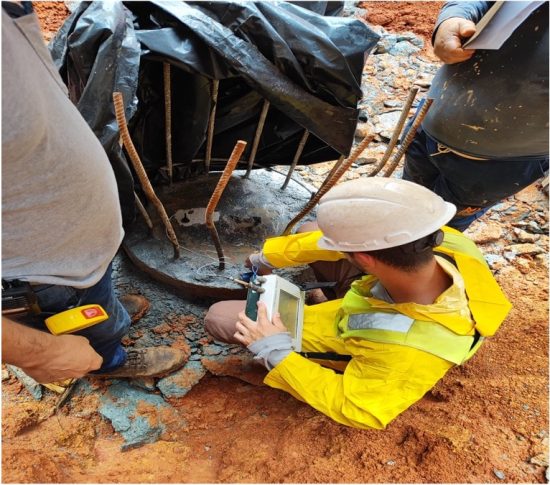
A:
(148, 362)
(136, 306)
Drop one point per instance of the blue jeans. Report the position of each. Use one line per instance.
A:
(472, 185)
(104, 337)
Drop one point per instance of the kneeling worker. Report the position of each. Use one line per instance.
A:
(422, 302)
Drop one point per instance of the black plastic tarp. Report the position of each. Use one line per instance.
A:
(308, 66)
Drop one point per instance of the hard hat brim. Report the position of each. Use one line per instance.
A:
(325, 243)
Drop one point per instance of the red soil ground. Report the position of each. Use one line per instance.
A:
(417, 17)
(484, 422)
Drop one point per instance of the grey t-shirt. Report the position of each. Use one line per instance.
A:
(61, 221)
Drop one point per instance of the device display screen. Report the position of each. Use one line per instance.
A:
(288, 308)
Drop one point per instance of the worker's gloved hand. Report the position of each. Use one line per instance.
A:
(258, 261)
(62, 357)
(449, 38)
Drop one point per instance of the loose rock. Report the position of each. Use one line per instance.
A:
(121, 404)
(525, 237)
(541, 459)
(34, 388)
(180, 383)
(404, 49)
(386, 123)
(524, 249)
(499, 474)
(485, 233)
(495, 261)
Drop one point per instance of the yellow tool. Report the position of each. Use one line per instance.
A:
(70, 321)
(76, 319)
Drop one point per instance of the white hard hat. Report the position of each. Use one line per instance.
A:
(367, 214)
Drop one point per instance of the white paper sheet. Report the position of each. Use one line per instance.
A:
(496, 26)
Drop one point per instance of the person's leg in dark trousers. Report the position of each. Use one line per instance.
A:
(104, 337)
(472, 185)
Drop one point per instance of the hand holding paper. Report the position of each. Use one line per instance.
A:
(450, 37)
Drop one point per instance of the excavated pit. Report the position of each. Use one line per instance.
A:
(249, 211)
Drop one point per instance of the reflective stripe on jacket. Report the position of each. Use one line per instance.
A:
(362, 316)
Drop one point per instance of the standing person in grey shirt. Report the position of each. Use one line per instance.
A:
(485, 136)
(61, 222)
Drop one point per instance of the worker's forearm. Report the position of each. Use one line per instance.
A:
(297, 249)
(24, 346)
(45, 357)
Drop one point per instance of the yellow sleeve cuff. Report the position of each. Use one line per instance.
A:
(297, 250)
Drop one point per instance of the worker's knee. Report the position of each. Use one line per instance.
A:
(221, 318)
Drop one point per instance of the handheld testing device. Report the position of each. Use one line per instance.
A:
(281, 296)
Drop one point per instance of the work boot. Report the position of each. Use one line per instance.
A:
(148, 362)
(136, 306)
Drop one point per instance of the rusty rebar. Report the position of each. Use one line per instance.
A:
(143, 212)
(408, 137)
(329, 184)
(297, 156)
(215, 198)
(211, 120)
(168, 117)
(335, 167)
(257, 135)
(140, 171)
(396, 132)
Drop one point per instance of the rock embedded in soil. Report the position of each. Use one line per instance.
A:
(524, 249)
(495, 261)
(161, 329)
(240, 365)
(386, 123)
(485, 233)
(146, 383)
(499, 474)
(541, 459)
(120, 406)
(34, 388)
(524, 236)
(404, 48)
(181, 382)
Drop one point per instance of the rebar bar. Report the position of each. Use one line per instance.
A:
(396, 132)
(211, 120)
(215, 198)
(168, 118)
(257, 135)
(409, 137)
(143, 212)
(333, 169)
(329, 184)
(297, 156)
(140, 171)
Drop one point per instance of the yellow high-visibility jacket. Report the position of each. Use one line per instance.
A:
(398, 351)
